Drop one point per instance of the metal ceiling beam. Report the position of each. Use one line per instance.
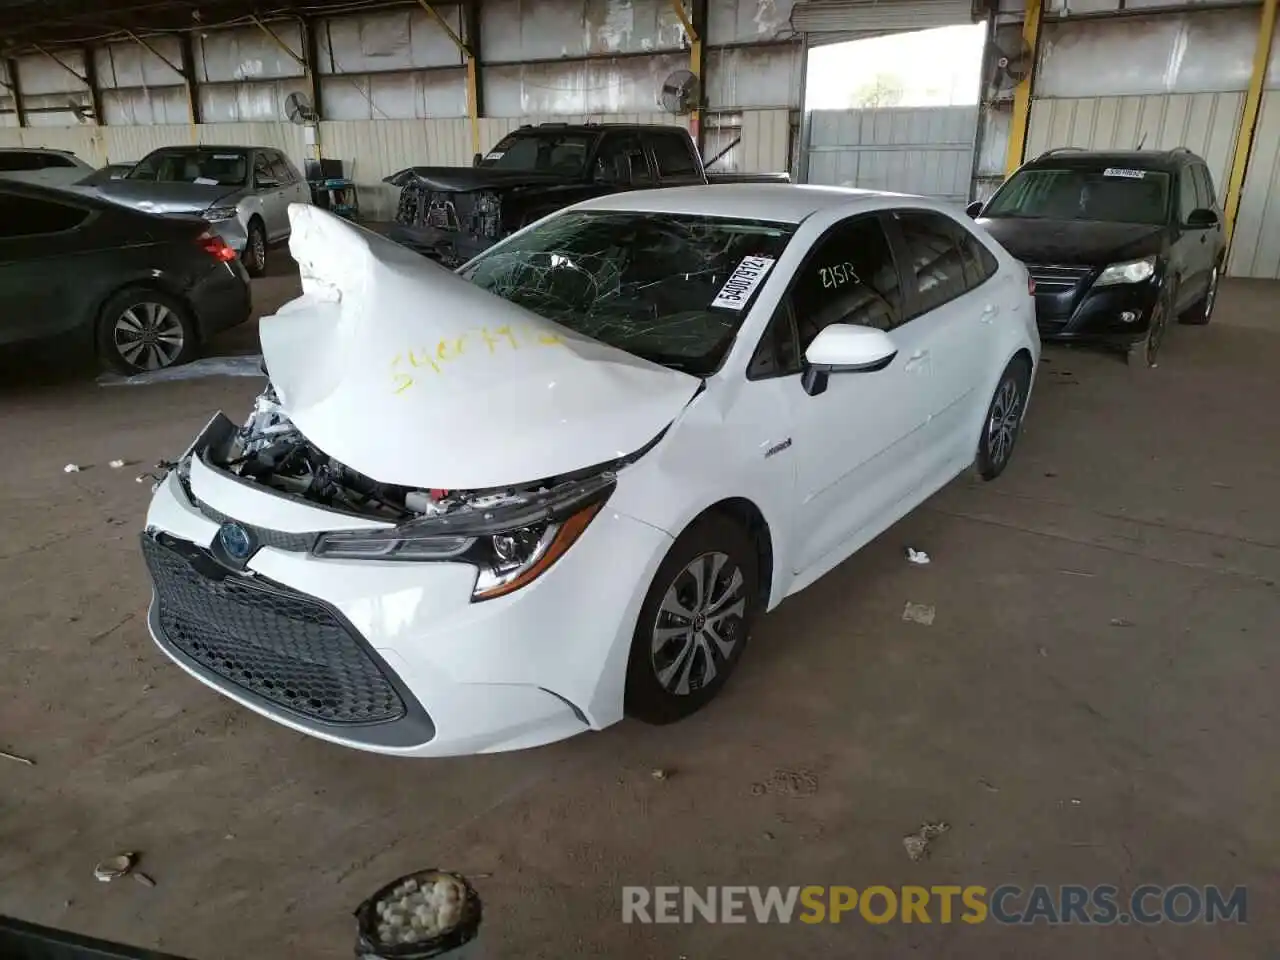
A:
(91, 81)
(189, 78)
(471, 54)
(15, 86)
(154, 52)
(297, 58)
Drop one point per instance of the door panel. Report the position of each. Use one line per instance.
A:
(41, 244)
(271, 192)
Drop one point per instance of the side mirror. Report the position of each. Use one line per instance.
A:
(845, 348)
(1202, 218)
(475, 161)
(974, 208)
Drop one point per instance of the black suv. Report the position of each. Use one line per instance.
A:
(1117, 243)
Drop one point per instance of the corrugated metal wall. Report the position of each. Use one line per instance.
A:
(1255, 248)
(1206, 123)
(921, 150)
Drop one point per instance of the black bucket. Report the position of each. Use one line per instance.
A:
(454, 942)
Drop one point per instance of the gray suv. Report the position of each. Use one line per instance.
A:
(244, 193)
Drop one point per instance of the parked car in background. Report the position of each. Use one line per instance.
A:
(41, 165)
(112, 171)
(452, 213)
(244, 192)
(483, 511)
(1119, 244)
(144, 290)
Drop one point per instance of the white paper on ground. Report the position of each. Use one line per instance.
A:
(408, 373)
(248, 366)
(205, 182)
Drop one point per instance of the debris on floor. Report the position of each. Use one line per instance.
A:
(71, 468)
(922, 613)
(917, 556)
(987, 784)
(143, 879)
(787, 783)
(1077, 573)
(116, 464)
(250, 366)
(13, 756)
(917, 844)
(115, 867)
(658, 773)
(1121, 622)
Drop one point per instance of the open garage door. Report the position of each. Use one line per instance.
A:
(880, 120)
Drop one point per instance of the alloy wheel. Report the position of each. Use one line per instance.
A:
(148, 336)
(258, 248)
(1002, 425)
(699, 623)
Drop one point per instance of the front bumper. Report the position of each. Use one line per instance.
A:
(232, 231)
(451, 248)
(538, 665)
(1096, 314)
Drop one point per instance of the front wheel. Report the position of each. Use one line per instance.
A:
(694, 622)
(255, 250)
(1144, 354)
(1004, 419)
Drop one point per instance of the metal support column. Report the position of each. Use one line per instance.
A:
(1249, 121)
(693, 29)
(189, 76)
(1022, 92)
(15, 88)
(311, 57)
(92, 87)
(91, 81)
(470, 50)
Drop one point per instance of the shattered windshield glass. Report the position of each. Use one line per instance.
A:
(672, 288)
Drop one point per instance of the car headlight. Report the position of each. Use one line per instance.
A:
(219, 213)
(1131, 271)
(511, 545)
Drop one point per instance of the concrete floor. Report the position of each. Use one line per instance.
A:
(1061, 748)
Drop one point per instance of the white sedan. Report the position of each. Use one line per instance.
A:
(487, 510)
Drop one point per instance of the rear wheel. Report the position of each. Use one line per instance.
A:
(255, 249)
(143, 329)
(1003, 424)
(694, 622)
(1202, 311)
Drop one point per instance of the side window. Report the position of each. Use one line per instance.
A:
(849, 277)
(262, 168)
(627, 144)
(280, 170)
(778, 353)
(673, 154)
(1187, 199)
(28, 217)
(20, 160)
(58, 160)
(1204, 187)
(936, 262)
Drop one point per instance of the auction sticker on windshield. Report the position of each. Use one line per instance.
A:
(742, 283)
(1121, 172)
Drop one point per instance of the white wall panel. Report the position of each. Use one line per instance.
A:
(766, 142)
(248, 102)
(628, 85)
(748, 21)
(1205, 123)
(514, 30)
(145, 105)
(133, 65)
(1198, 52)
(282, 136)
(395, 96)
(40, 74)
(1255, 247)
(131, 144)
(246, 53)
(390, 40)
(766, 76)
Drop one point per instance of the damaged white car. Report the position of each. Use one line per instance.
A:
(488, 510)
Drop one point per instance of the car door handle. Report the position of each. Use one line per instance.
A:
(916, 361)
(989, 312)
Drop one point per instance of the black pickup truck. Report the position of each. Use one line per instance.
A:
(453, 213)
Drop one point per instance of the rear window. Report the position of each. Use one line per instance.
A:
(1118, 194)
(672, 152)
(19, 161)
(31, 216)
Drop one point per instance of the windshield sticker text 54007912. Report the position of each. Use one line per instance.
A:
(748, 275)
(410, 366)
(1122, 172)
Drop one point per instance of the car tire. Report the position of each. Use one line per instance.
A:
(1144, 354)
(255, 249)
(1003, 422)
(141, 329)
(694, 622)
(1201, 311)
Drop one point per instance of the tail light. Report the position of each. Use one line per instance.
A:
(216, 247)
(1031, 285)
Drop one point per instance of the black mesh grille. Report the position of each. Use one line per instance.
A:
(280, 539)
(284, 647)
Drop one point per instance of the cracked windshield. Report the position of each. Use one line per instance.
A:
(672, 288)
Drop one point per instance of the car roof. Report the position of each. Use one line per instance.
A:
(187, 147)
(595, 128)
(777, 202)
(1148, 159)
(60, 194)
(65, 153)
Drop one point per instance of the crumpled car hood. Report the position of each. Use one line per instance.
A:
(411, 375)
(164, 198)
